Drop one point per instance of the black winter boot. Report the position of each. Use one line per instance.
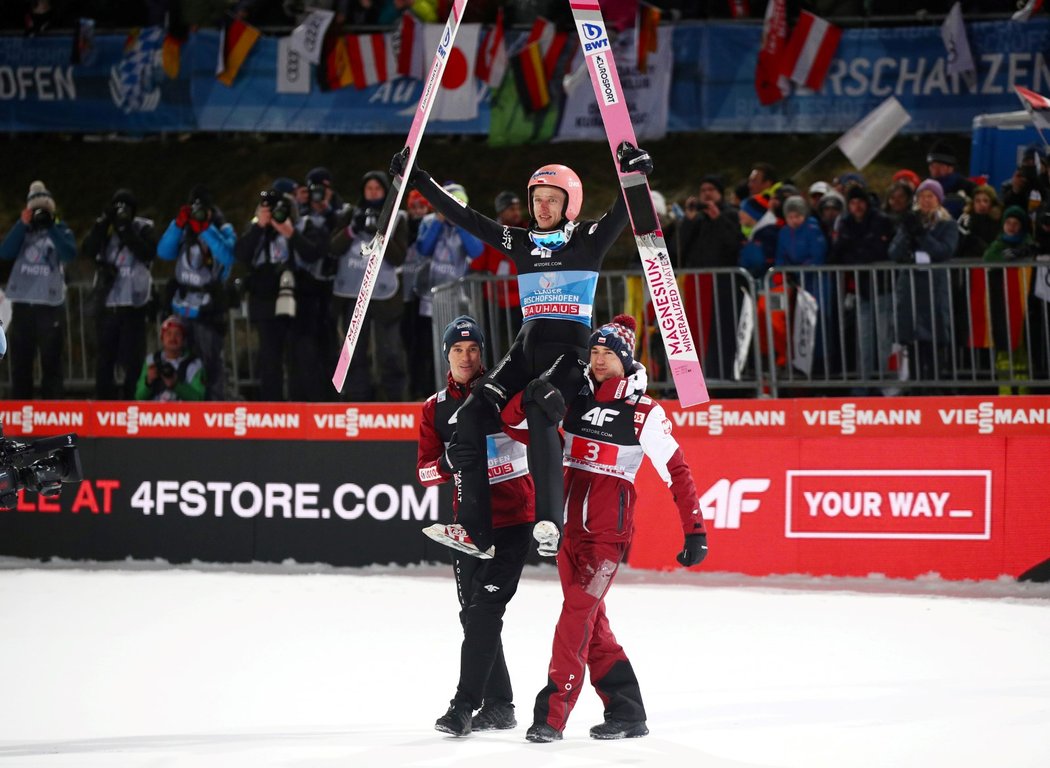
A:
(457, 720)
(541, 733)
(494, 716)
(619, 729)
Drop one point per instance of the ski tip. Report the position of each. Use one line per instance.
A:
(689, 381)
(339, 377)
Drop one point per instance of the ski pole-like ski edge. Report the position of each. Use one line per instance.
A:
(682, 357)
(388, 218)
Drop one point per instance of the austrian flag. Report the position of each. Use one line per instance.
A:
(371, 59)
(1038, 107)
(810, 50)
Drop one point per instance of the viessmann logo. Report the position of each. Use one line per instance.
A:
(27, 418)
(888, 504)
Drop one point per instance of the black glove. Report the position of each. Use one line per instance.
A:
(458, 457)
(364, 221)
(633, 159)
(912, 225)
(398, 163)
(495, 394)
(694, 551)
(548, 397)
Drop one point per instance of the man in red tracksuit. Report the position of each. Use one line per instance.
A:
(484, 586)
(609, 427)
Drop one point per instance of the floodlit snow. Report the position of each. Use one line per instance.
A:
(149, 665)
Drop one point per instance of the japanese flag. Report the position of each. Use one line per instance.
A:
(457, 98)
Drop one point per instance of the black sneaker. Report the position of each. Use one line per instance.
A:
(494, 716)
(541, 733)
(619, 729)
(457, 720)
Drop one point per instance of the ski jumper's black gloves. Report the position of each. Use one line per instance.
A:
(633, 160)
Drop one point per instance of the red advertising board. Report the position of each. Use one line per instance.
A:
(902, 487)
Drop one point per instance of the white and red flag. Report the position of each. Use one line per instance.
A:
(371, 59)
(770, 83)
(1038, 107)
(411, 57)
(1032, 6)
(492, 55)
(810, 50)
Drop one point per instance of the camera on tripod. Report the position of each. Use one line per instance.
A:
(41, 466)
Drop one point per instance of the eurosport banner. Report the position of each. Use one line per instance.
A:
(121, 87)
(897, 486)
(714, 74)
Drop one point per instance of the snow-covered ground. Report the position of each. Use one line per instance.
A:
(148, 665)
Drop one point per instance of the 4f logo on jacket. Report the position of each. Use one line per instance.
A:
(598, 416)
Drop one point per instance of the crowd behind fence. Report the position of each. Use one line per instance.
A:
(964, 327)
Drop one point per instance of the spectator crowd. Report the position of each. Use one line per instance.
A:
(297, 266)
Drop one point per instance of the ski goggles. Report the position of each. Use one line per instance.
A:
(552, 241)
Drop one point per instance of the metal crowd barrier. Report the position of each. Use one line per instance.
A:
(832, 330)
(942, 328)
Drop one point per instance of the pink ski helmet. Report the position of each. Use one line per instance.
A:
(563, 178)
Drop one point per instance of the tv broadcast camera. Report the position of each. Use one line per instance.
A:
(41, 466)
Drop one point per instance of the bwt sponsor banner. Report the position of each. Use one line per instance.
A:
(214, 420)
(888, 504)
(233, 501)
(715, 71)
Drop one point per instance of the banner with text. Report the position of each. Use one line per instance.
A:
(897, 486)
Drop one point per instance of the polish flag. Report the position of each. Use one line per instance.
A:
(1038, 107)
(810, 50)
(492, 56)
(371, 59)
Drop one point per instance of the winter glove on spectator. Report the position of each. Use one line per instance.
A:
(694, 551)
(183, 218)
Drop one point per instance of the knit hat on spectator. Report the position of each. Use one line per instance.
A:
(618, 336)
(1016, 212)
(832, 200)
(715, 180)
(857, 193)
(908, 177)
(319, 175)
(795, 204)
(416, 197)
(934, 186)
(941, 153)
(200, 192)
(846, 179)
(986, 190)
(505, 200)
(755, 206)
(39, 197)
(463, 328)
(457, 191)
(284, 185)
(819, 188)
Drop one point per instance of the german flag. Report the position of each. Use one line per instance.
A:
(335, 71)
(648, 29)
(998, 305)
(235, 43)
(531, 78)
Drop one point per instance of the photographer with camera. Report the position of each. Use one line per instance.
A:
(275, 251)
(314, 341)
(201, 243)
(172, 372)
(39, 244)
(355, 229)
(122, 246)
